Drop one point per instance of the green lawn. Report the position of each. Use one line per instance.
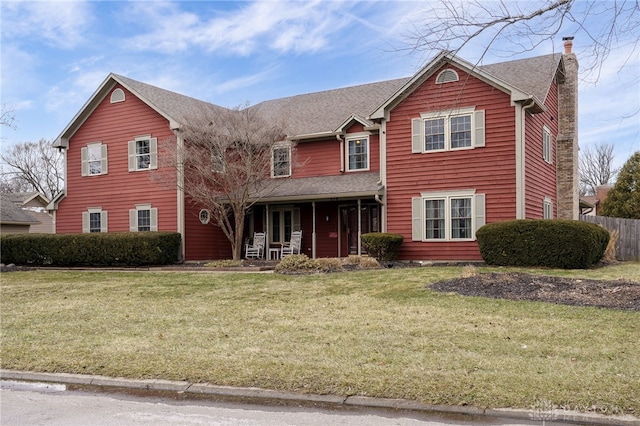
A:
(377, 333)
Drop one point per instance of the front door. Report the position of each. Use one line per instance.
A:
(369, 222)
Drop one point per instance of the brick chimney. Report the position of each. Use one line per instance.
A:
(567, 142)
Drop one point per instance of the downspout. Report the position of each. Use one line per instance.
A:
(383, 174)
(521, 160)
(180, 193)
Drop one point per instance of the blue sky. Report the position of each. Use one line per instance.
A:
(56, 54)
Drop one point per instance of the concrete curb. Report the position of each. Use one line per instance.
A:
(266, 395)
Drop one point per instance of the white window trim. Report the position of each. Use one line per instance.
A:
(547, 151)
(419, 229)
(443, 76)
(84, 157)
(547, 208)
(295, 221)
(353, 137)
(207, 219)
(153, 153)
(117, 96)
(86, 219)
(153, 217)
(418, 144)
(280, 146)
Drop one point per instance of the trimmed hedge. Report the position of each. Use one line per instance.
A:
(94, 249)
(382, 246)
(566, 244)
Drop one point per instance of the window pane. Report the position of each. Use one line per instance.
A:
(281, 162)
(461, 218)
(144, 220)
(358, 154)
(460, 131)
(95, 159)
(275, 227)
(94, 222)
(288, 224)
(434, 134)
(142, 152)
(435, 219)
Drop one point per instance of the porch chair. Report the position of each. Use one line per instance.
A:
(255, 250)
(293, 246)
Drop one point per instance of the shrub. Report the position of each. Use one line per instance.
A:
(382, 246)
(225, 263)
(298, 263)
(329, 264)
(95, 249)
(362, 261)
(566, 244)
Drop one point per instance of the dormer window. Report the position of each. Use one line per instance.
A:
(117, 96)
(447, 76)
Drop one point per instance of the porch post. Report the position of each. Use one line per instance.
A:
(359, 226)
(313, 230)
(266, 231)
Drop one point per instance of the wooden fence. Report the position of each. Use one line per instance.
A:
(628, 244)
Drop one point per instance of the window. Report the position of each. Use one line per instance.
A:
(282, 222)
(205, 216)
(94, 220)
(281, 161)
(94, 159)
(143, 218)
(143, 153)
(117, 96)
(447, 76)
(218, 164)
(447, 216)
(358, 153)
(449, 130)
(546, 145)
(547, 208)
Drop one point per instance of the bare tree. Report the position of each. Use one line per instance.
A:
(225, 165)
(453, 24)
(7, 117)
(33, 166)
(596, 168)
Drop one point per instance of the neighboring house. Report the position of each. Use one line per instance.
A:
(432, 157)
(14, 219)
(36, 205)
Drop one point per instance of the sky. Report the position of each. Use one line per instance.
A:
(54, 56)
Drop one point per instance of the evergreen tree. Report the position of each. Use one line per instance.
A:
(624, 198)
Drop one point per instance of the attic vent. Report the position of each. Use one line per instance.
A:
(117, 96)
(447, 76)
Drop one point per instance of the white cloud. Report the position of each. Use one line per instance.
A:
(60, 24)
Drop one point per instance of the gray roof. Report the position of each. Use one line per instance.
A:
(10, 213)
(347, 185)
(22, 197)
(531, 75)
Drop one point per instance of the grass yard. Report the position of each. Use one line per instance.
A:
(377, 333)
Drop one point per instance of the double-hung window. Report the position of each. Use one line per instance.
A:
(281, 161)
(447, 216)
(547, 208)
(143, 218)
(357, 153)
(546, 145)
(94, 220)
(282, 222)
(94, 159)
(448, 130)
(143, 153)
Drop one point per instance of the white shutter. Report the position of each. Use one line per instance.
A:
(480, 214)
(103, 222)
(84, 157)
(154, 219)
(132, 156)
(417, 135)
(85, 222)
(478, 118)
(153, 153)
(103, 159)
(133, 220)
(416, 219)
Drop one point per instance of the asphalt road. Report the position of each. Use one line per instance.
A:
(23, 403)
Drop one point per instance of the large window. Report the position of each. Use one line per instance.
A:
(143, 153)
(358, 153)
(546, 145)
(94, 220)
(143, 218)
(447, 216)
(282, 222)
(94, 159)
(449, 130)
(281, 161)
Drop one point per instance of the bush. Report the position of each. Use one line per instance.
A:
(566, 244)
(297, 263)
(95, 249)
(382, 246)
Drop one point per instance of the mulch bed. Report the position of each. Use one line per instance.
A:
(618, 294)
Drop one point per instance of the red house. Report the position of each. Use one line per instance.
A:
(432, 157)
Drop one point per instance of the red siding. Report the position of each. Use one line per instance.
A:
(203, 241)
(489, 170)
(540, 176)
